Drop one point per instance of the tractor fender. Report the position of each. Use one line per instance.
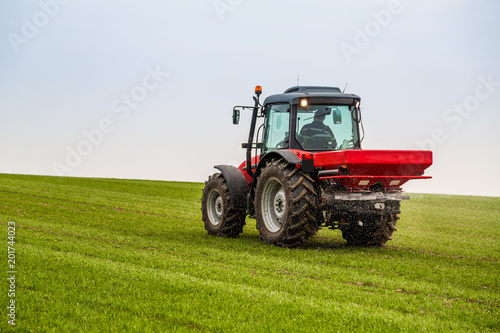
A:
(288, 155)
(237, 184)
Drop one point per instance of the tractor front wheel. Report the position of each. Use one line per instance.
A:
(220, 218)
(285, 205)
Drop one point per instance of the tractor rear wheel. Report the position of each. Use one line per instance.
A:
(369, 230)
(220, 218)
(286, 206)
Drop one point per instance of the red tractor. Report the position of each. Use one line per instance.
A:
(307, 170)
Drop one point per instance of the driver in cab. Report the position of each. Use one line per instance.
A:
(317, 129)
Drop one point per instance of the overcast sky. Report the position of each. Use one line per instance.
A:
(145, 89)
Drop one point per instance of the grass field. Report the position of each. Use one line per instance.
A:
(133, 256)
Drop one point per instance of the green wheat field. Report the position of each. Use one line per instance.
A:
(110, 255)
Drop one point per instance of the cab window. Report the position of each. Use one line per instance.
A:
(276, 127)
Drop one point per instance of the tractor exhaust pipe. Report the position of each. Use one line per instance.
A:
(258, 91)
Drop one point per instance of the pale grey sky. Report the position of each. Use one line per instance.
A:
(145, 89)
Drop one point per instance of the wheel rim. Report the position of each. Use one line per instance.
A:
(215, 207)
(273, 205)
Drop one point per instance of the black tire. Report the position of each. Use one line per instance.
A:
(220, 218)
(376, 230)
(286, 207)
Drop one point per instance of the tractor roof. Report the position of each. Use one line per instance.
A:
(293, 94)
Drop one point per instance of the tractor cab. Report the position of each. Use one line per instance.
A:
(311, 122)
(304, 118)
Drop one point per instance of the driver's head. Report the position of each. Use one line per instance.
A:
(319, 115)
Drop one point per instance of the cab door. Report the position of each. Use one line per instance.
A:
(276, 127)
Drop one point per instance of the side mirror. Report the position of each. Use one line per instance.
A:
(236, 116)
(337, 117)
